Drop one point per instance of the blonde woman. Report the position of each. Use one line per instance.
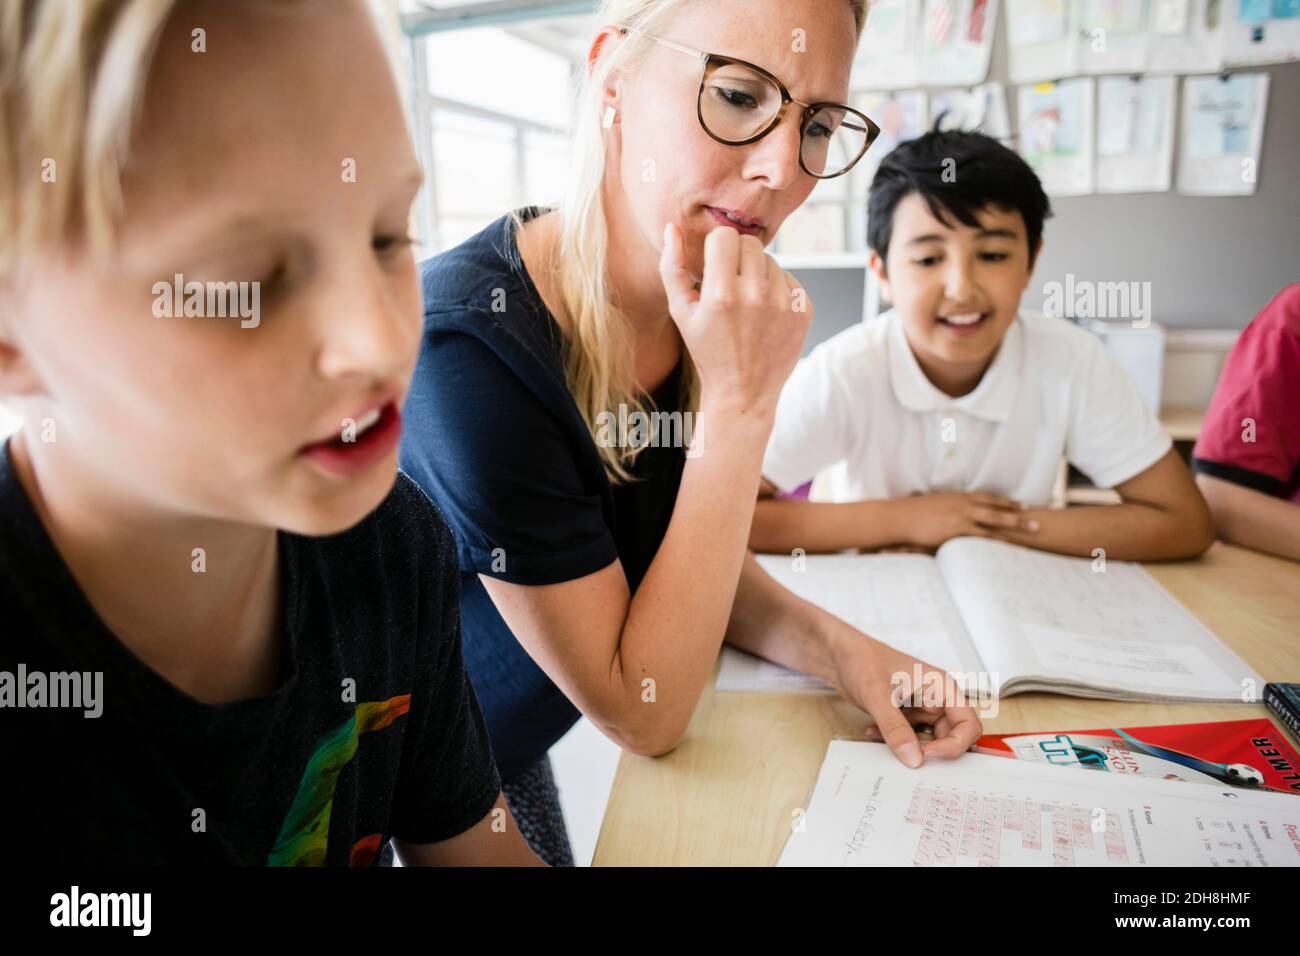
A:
(603, 565)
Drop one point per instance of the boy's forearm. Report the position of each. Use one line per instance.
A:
(1251, 518)
(783, 524)
(1130, 531)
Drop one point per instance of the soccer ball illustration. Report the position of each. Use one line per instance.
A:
(1243, 774)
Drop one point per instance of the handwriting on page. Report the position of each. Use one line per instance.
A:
(962, 827)
(868, 810)
(955, 825)
(1109, 624)
(1059, 592)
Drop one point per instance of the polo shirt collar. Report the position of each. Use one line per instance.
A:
(992, 399)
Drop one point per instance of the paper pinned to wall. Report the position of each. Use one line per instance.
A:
(901, 116)
(1222, 131)
(1031, 22)
(1171, 17)
(1186, 39)
(1113, 36)
(957, 41)
(1257, 32)
(1135, 134)
(1056, 134)
(1041, 40)
(815, 227)
(887, 57)
(983, 109)
(1052, 39)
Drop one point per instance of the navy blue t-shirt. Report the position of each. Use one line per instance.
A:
(493, 435)
(371, 732)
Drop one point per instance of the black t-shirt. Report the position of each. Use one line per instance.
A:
(492, 433)
(309, 775)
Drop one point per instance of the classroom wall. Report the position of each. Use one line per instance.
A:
(1211, 262)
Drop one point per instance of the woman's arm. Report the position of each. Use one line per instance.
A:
(1251, 518)
(636, 664)
(1161, 517)
(772, 622)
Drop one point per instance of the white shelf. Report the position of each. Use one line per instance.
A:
(822, 260)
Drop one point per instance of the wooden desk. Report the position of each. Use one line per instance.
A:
(726, 795)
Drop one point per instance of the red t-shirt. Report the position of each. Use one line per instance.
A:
(1251, 434)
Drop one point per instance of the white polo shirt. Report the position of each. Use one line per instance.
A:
(860, 409)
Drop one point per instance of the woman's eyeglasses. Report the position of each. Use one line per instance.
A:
(739, 103)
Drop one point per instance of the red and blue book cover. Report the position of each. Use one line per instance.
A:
(1252, 754)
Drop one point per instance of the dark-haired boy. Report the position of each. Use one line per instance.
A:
(949, 414)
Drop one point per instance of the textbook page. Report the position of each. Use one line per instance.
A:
(899, 599)
(1114, 632)
(870, 810)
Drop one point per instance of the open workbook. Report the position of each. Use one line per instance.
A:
(1005, 619)
(869, 810)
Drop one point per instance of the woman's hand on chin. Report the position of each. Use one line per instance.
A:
(744, 326)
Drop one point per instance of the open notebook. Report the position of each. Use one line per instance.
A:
(869, 810)
(1008, 619)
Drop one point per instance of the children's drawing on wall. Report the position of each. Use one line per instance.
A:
(1056, 134)
(1222, 130)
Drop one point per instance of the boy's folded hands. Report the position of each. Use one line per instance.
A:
(928, 520)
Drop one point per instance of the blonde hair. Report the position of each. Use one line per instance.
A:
(72, 78)
(598, 353)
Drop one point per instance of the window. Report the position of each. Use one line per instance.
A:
(494, 115)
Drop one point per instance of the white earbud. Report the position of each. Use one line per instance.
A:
(608, 121)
